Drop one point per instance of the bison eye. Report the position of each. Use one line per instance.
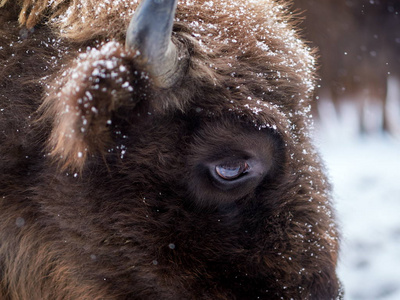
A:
(232, 170)
(228, 174)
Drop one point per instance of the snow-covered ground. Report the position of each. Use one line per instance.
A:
(365, 172)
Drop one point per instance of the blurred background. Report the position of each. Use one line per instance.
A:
(357, 112)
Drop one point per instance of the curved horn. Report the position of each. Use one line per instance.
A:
(149, 32)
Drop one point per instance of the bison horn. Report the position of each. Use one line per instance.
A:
(149, 32)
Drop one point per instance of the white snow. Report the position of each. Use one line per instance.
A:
(365, 172)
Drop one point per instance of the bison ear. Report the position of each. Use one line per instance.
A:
(81, 101)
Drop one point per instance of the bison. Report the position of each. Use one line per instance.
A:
(160, 151)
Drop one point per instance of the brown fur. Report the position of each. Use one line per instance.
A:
(101, 196)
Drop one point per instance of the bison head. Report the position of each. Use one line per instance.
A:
(177, 162)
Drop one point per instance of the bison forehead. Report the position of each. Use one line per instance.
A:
(256, 28)
(236, 28)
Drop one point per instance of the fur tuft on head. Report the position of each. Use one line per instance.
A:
(81, 101)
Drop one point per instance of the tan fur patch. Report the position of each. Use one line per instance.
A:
(81, 102)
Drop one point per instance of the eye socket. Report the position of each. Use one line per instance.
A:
(232, 170)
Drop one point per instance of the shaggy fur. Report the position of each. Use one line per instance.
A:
(103, 193)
